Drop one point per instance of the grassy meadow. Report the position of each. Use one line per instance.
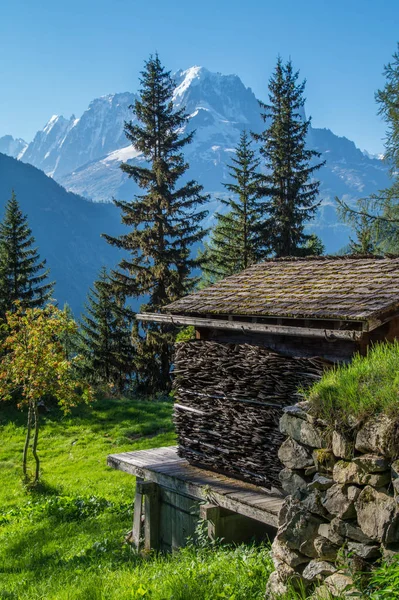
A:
(65, 541)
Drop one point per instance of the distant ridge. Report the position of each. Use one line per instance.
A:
(67, 228)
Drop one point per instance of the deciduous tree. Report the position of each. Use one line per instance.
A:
(34, 366)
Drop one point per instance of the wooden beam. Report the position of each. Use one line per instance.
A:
(152, 515)
(198, 488)
(137, 514)
(245, 327)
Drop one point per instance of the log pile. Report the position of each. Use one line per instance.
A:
(229, 398)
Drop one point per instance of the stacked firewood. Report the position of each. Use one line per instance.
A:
(229, 399)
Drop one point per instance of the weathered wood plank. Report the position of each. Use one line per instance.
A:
(247, 326)
(137, 514)
(152, 518)
(165, 468)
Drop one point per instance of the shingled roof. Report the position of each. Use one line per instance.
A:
(344, 288)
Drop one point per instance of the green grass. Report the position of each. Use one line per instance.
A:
(367, 386)
(65, 541)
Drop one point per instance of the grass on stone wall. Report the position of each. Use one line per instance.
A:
(367, 386)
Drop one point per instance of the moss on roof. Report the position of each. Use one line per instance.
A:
(350, 288)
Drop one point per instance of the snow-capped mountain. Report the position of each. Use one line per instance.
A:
(12, 147)
(84, 154)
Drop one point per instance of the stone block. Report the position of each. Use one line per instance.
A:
(336, 502)
(378, 516)
(313, 503)
(371, 463)
(317, 570)
(297, 410)
(324, 460)
(341, 446)
(291, 557)
(292, 482)
(377, 436)
(276, 587)
(320, 482)
(294, 455)
(349, 472)
(349, 529)
(326, 530)
(299, 527)
(325, 549)
(363, 550)
(353, 492)
(301, 431)
(338, 583)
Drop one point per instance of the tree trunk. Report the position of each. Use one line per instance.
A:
(27, 440)
(35, 440)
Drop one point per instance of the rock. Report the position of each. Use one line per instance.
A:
(341, 447)
(301, 431)
(289, 556)
(395, 470)
(371, 463)
(297, 410)
(377, 436)
(389, 552)
(317, 570)
(353, 492)
(395, 485)
(310, 471)
(356, 564)
(276, 588)
(337, 503)
(292, 482)
(298, 528)
(363, 550)
(330, 534)
(294, 455)
(320, 482)
(313, 503)
(346, 529)
(338, 583)
(321, 593)
(377, 515)
(325, 549)
(324, 460)
(349, 472)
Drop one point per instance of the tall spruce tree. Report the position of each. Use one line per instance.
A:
(236, 241)
(23, 276)
(165, 221)
(288, 188)
(105, 333)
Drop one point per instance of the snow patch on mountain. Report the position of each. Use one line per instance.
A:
(84, 154)
(11, 146)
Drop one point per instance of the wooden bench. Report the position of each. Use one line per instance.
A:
(177, 495)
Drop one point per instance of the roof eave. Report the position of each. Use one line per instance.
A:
(250, 327)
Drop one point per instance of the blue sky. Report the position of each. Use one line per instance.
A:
(56, 56)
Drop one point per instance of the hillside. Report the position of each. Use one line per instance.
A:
(65, 540)
(67, 228)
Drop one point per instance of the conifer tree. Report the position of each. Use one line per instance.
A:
(288, 188)
(164, 221)
(105, 342)
(236, 240)
(23, 275)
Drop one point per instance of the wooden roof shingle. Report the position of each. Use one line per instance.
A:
(350, 288)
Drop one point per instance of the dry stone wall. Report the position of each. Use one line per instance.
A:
(341, 512)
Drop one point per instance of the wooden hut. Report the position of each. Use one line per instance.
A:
(261, 335)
